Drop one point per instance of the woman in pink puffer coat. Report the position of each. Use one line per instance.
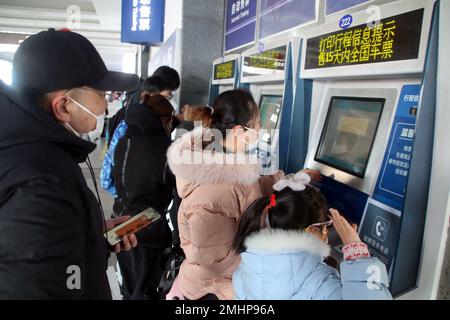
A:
(217, 179)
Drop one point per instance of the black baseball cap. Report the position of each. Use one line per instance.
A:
(57, 60)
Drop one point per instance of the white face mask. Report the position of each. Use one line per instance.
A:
(262, 150)
(254, 146)
(174, 104)
(100, 119)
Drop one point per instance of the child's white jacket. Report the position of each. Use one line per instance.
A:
(288, 265)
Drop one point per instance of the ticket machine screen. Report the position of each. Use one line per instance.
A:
(349, 133)
(270, 108)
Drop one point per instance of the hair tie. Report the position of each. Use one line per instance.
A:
(264, 222)
(273, 201)
(296, 182)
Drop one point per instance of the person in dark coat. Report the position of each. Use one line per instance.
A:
(170, 82)
(132, 97)
(51, 225)
(140, 159)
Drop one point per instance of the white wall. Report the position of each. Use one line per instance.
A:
(174, 17)
(173, 20)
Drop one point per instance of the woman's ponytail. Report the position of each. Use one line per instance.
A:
(233, 108)
(250, 223)
(284, 210)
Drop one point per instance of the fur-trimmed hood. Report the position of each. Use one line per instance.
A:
(194, 164)
(288, 265)
(281, 265)
(276, 240)
(214, 196)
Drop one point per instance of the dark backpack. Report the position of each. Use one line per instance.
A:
(133, 97)
(173, 258)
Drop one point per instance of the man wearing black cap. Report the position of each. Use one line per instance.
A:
(51, 224)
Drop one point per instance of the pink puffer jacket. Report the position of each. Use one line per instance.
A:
(215, 194)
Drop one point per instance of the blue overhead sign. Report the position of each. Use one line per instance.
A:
(143, 21)
(240, 27)
(281, 15)
(339, 5)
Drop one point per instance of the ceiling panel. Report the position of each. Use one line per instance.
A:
(99, 22)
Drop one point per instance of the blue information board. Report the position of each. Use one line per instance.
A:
(393, 178)
(143, 21)
(380, 230)
(338, 5)
(240, 27)
(281, 15)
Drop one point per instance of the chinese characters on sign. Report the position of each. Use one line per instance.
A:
(393, 178)
(143, 21)
(402, 167)
(271, 59)
(391, 39)
(239, 10)
(377, 249)
(358, 45)
(401, 160)
(379, 230)
(240, 23)
(224, 70)
(141, 15)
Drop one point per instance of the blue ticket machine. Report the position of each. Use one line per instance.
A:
(372, 126)
(268, 70)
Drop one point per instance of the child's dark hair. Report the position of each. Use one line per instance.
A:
(293, 211)
(170, 77)
(233, 108)
(152, 85)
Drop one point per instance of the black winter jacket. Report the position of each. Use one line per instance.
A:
(51, 242)
(139, 166)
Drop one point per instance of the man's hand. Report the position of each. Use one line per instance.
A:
(128, 242)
